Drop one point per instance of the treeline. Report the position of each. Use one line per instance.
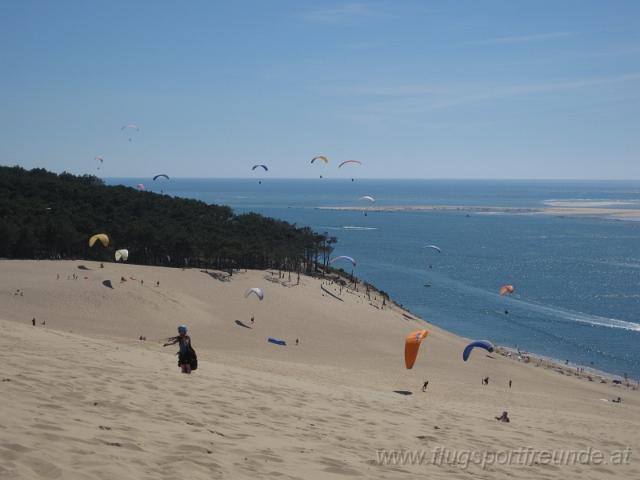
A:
(45, 215)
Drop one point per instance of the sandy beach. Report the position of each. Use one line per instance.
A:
(84, 398)
(559, 209)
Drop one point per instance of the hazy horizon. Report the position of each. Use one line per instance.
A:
(466, 90)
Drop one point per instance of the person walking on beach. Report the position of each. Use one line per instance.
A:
(33, 321)
(252, 319)
(509, 383)
(485, 381)
(425, 385)
(187, 360)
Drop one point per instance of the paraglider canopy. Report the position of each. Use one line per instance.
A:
(140, 186)
(412, 345)
(347, 162)
(257, 291)
(368, 197)
(130, 128)
(104, 239)
(122, 254)
(343, 257)
(506, 290)
(486, 344)
(260, 166)
(164, 175)
(435, 247)
(320, 157)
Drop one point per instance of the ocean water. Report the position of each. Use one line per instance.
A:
(577, 280)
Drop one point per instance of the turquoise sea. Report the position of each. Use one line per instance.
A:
(577, 280)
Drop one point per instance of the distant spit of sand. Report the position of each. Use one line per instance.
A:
(568, 209)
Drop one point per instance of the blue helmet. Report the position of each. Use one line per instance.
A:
(182, 329)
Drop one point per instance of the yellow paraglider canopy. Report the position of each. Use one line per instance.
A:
(104, 239)
(412, 345)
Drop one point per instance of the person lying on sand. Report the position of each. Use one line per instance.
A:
(187, 359)
(503, 418)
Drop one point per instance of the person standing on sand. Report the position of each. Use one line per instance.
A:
(252, 320)
(187, 359)
(425, 385)
(509, 383)
(33, 321)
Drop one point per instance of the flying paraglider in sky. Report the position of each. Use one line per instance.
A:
(161, 175)
(130, 129)
(322, 158)
(102, 237)
(100, 160)
(122, 254)
(486, 344)
(347, 162)
(264, 167)
(342, 257)
(258, 292)
(412, 346)
(368, 197)
(506, 290)
(434, 247)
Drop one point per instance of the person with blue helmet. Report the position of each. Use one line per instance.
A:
(187, 359)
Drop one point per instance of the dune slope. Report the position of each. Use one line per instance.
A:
(82, 397)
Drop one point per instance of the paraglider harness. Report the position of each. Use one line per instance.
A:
(189, 357)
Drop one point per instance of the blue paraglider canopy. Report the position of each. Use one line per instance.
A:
(486, 344)
(276, 341)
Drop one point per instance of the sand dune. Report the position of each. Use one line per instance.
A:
(82, 397)
(555, 208)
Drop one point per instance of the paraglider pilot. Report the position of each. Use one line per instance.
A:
(187, 360)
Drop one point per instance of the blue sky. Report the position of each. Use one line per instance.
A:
(456, 89)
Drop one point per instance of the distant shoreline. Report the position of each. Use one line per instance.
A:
(576, 211)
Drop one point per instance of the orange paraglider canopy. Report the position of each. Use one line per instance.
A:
(412, 345)
(506, 289)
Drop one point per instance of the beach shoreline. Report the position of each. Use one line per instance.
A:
(557, 211)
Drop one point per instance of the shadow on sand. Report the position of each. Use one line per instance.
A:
(240, 324)
(107, 283)
(330, 293)
(82, 267)
(220, 276)
(403, 392)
